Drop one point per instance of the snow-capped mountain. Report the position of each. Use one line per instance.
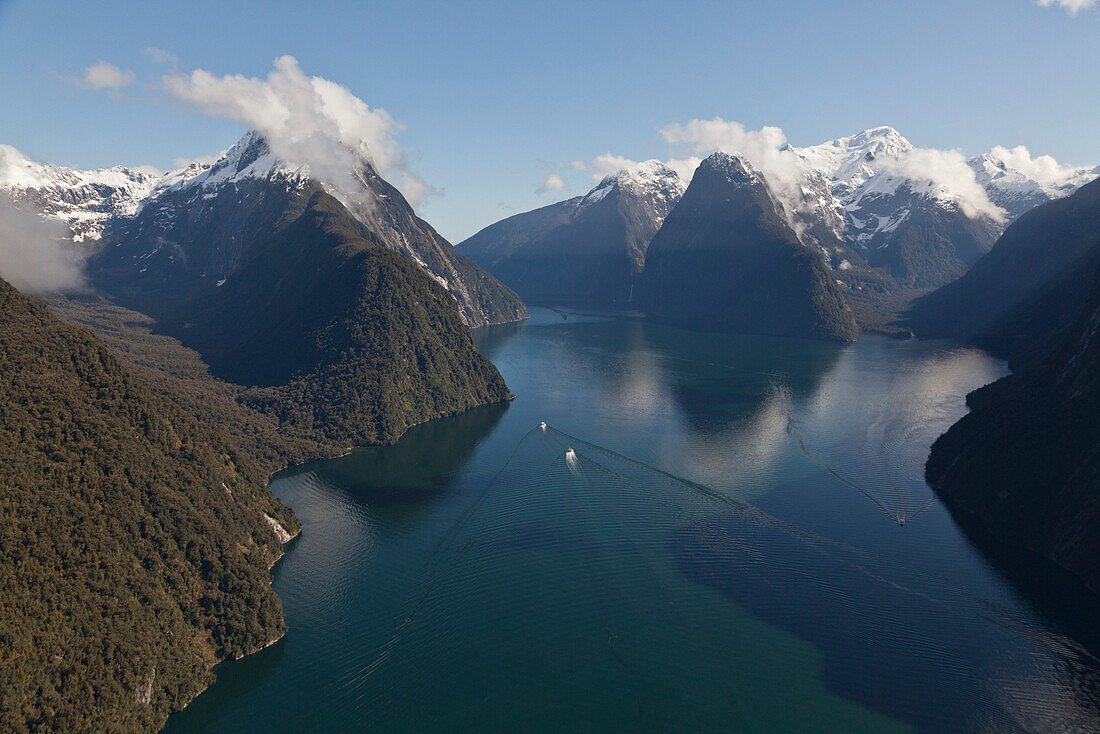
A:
(889, 202)
(198, 224)
(652, 182)
(1017, 191)
(924, 215)
(85, 200)
(587, 249)
(727, 259)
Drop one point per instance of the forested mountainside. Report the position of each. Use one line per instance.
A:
(343, 339)
(134, 549)
(1020, 298)
(1024, 464)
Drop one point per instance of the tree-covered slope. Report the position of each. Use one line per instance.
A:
(725, 259)
(134, 551)
(1020, 297)
(343, 338)
(1024, 464)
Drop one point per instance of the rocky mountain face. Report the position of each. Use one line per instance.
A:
(84, 200)
(916, 230)
(1024, 464)
(1019, 298)
(727, 259)
(138, 541)
(1018, 191)
(180, 229)
(587, 250)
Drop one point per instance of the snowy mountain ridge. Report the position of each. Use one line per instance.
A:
(878, 162)
(85, 200)
(650, 180)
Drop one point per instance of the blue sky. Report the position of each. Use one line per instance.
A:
(494, 97)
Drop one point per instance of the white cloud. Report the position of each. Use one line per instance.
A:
(1072, 6)
(1044, 169)
(553, 182)
(102, 75)
(944, 173)
(607, 164)
(762, 148)
(37, 254)
(307, 121)
(160, 56)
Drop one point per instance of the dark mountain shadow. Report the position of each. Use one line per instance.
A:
(1054, 593)
(422, 464)
(722, 378)
(888, 645)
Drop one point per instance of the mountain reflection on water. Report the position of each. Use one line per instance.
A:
(471, 578)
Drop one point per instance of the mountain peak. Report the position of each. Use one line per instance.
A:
(647, 178)
(645, 174)
(733, 166)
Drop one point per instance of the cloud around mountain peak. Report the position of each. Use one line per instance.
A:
(307, 121)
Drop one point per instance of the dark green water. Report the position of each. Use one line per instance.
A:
(476, 578)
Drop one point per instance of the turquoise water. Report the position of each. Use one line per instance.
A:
(775, 561)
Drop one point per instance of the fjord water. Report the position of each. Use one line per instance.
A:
(775, 561)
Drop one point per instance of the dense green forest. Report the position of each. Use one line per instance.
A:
(134, 551)
(377, 348)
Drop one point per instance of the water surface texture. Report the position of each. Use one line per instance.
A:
(710, 534)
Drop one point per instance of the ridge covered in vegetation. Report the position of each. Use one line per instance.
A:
(134, 548)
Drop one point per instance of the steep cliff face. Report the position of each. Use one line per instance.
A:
(587, 250)
(1019, 299)
(136, 541)
(1024, 464)
(726, 259)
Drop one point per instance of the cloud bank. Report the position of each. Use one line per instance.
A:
(309, 122)
(1044, 169)
(102, 75)
(37, 255)
(948, 176)
(945, 172)
(1072, 6)
(762, 148)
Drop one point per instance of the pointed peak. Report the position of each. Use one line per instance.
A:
(729, 164)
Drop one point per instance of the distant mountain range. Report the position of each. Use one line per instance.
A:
(585, 250)
(881, 216)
